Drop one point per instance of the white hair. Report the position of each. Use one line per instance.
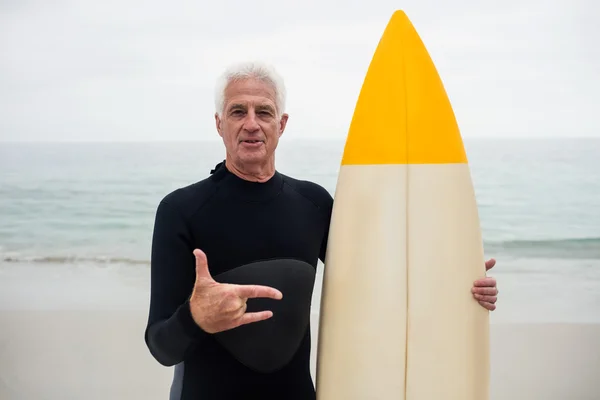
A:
(251, 70)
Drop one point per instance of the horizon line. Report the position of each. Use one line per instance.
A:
(291, 139)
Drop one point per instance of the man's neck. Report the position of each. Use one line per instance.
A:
(253, 173)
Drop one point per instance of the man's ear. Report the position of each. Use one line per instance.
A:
(218, 124)
(283, 123)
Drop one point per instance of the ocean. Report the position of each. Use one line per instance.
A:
(83, 212)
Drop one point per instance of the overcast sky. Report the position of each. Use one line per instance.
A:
(145, 70)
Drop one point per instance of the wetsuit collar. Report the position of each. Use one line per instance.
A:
(231, 185)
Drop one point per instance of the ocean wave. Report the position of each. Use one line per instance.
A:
(75, 260)
(551, 248)
(582, 248)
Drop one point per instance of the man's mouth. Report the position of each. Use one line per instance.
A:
(252, 141)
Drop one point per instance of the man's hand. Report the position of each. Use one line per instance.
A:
(485, 290)
(218, 307)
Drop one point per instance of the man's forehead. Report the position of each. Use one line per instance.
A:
(250, 92)
(250, 102)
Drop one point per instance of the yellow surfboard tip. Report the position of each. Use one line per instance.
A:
(403, 114)
(399, 14)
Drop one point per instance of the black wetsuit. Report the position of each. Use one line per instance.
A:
(235, 222)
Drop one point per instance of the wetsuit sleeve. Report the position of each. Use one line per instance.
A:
(171, 332)
(327, 222)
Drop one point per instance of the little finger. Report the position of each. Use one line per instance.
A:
(248, 318)
(488, 306)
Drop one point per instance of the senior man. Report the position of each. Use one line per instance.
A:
(225, 225)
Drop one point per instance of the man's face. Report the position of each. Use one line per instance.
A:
(249, 125)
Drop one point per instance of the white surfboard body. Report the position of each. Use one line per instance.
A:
(397, 318)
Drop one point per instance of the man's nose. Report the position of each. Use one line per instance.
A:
(250, 123)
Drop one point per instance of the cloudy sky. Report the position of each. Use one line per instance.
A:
(144, 70)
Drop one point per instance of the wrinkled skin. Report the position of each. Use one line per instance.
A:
(250, 127)
(485, 290)
(218, 306)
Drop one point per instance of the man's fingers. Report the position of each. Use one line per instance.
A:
(491, 291)
(487, 299)
(489, 264)
(253, 317)
(254, 291)
(488, 306)
(201, 265)
(489, 282)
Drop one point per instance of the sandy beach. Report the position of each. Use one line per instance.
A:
(76, 332)
(95, 354)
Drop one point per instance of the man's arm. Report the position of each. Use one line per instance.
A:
(171, 331)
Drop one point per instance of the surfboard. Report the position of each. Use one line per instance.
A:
(397, 316)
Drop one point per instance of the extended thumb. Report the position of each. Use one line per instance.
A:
(201, 265)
